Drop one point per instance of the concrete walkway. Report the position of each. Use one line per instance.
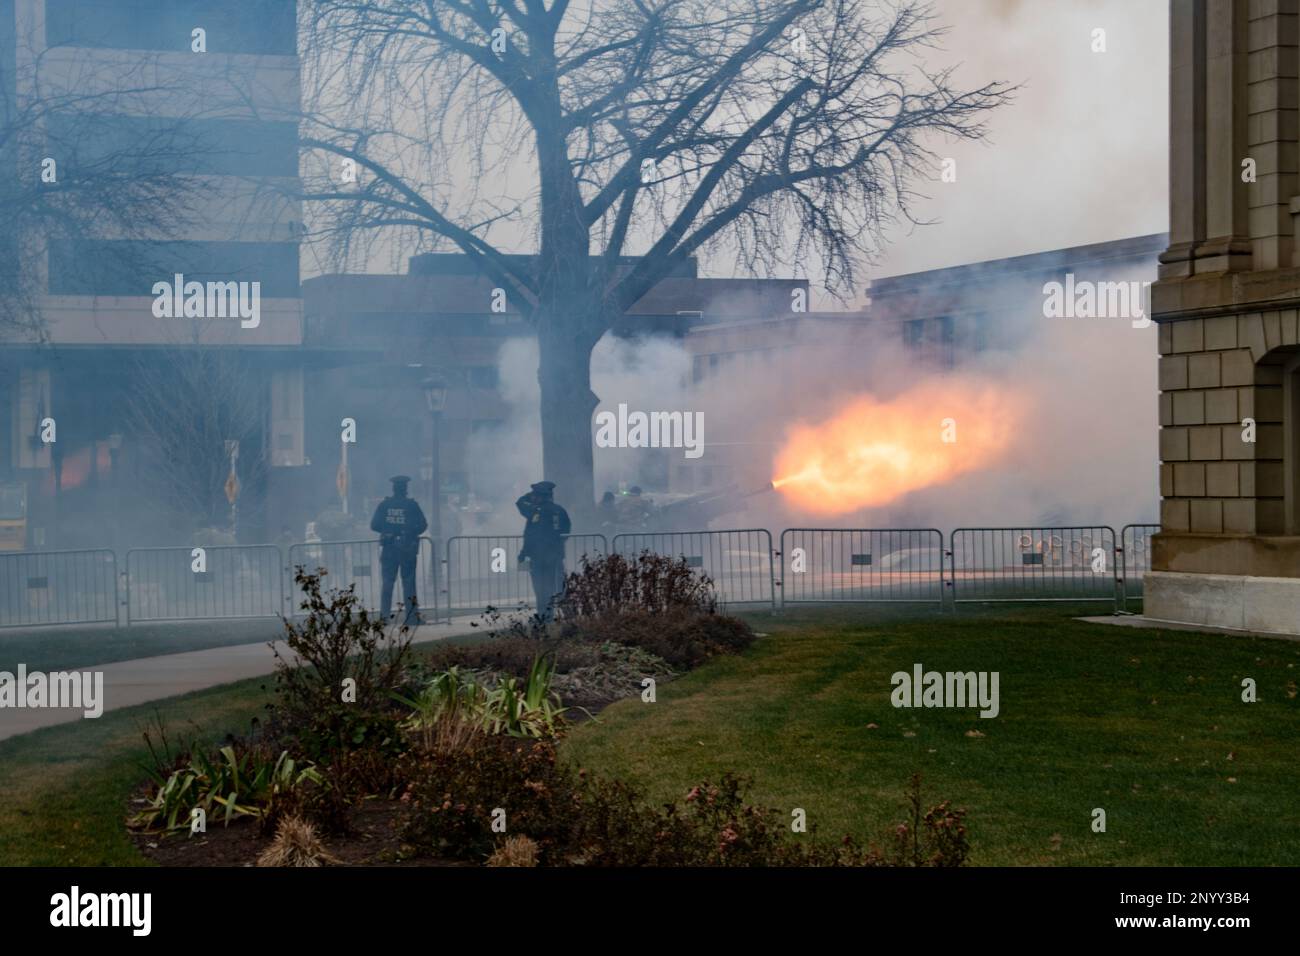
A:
(128, 683)
(1137, 620)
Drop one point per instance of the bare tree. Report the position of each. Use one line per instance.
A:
(184, 405)
(616, 140)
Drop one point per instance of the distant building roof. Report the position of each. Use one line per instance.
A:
(458, 264)
(984, 286)
(1034, 264)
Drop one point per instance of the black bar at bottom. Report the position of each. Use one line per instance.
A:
(970, 905)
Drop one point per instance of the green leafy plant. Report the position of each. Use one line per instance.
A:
(454, 703)
(532, 710)
(228, 784)
(447, 710)
(339, 646)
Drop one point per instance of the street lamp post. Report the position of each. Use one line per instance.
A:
(435, 396)
(114, 450)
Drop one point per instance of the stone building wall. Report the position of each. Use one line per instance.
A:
(1229, 548)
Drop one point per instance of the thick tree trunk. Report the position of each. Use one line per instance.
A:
(567, 405)
(568, 319)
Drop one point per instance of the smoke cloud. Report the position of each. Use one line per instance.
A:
(1080, 449)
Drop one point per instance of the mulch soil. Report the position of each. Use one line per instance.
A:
(375, 841)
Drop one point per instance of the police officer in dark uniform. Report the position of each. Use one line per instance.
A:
(399, 522)
(547, 525)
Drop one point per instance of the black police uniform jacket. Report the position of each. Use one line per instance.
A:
(544, 533)
(399, 523)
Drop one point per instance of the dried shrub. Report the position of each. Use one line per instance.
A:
(295, 844)
(652, 602)
(616, 673)
(453, 795)
(614, 585)
(714, 825)
(934, 837)
(514, 851)
(511, 656)
(682, 638)
(574, 819)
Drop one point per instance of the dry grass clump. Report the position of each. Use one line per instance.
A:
(515, 851)
(295, 844)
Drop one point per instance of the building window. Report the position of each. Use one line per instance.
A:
(947, 341)
(131, 267)
(266, 27)
(913, 333)
(161, 146)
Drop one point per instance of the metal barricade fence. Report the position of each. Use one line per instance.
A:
(1134, 560)
(818, 565)
(357, 563)
(739, 561)
(484, 571)
(1034, 564)
(58, 587)
(829, 565)
(204, 583)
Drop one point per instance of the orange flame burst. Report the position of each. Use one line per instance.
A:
(874, 452)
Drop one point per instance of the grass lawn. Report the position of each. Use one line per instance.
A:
(59, 648)
(64, 789)
(1140, 723)
(1148, 725)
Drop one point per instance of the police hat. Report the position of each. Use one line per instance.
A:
(544, 487)
(400, 480)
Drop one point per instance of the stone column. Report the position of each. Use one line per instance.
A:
(1273, 81)
(1186, 136)
(1227, 246)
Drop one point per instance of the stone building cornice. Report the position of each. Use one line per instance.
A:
(1225, 293)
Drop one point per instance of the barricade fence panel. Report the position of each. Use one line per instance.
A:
(827, 565)
(58, 587)
(738, 561)
(1134, 560)
(358, 563)
(470, 573)
(484, 571)
(1034, 564)
(202, 583)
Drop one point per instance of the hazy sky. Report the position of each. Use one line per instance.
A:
(1080, 156)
